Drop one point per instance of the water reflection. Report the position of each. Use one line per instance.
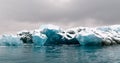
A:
(60, 54)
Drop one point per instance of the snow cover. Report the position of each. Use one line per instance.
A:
(54, 35)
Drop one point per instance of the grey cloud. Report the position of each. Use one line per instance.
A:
(77, 12)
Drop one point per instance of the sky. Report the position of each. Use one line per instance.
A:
(17, 15)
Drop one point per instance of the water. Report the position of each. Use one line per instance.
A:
(60, 54)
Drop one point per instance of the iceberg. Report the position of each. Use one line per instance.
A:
(38, 38)
(10, 40)
(54, 35)
(88, 37)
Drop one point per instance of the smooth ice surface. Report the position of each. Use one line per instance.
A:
(89, 38)
(54, 35)
(39, 39)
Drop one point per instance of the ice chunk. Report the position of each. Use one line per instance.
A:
(52, 34)
(104, 29)
(69, 36)
(38, 39)
(10, 40)
(88, 37)
(50, 29)
(26, 37)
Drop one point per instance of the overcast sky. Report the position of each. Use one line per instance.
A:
(16, 15)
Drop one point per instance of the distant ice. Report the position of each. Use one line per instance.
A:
(54, 35)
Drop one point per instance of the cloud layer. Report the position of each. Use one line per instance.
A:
(73, 12)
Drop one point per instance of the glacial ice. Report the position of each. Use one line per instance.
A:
(54, 35)
(10, 40)
(88, 37)
(51, 31)
(38, 38)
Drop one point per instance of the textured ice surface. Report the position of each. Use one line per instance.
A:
(10, 40)
(54, 35)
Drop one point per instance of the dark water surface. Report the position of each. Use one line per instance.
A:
(60, 54)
